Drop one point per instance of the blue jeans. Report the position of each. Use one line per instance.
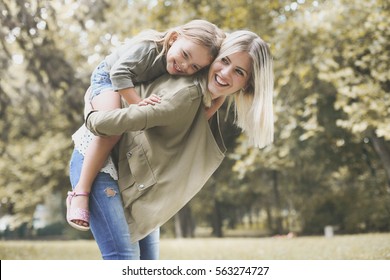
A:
(107, 219)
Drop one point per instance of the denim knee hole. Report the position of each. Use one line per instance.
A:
(110, 192)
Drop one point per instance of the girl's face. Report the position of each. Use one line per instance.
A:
(229, 74)
(185, 57)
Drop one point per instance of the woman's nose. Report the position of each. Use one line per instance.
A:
(225, 71)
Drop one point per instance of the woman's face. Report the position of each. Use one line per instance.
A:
(229, 74)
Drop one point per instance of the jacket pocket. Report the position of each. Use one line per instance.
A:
(140, 169)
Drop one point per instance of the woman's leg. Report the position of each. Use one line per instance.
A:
(150, 246)
(108, 223)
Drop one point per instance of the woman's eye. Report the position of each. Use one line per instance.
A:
(239, 72)
(195, 67)
(185, 55)
(225, 60)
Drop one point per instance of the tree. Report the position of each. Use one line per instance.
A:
(325, 110)
(358, 67)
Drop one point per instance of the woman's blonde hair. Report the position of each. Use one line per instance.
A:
(254, 103)
(201, 32)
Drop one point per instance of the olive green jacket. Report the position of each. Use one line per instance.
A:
(167, 152)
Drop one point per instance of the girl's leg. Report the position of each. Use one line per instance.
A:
(108, 223)
(96, 154)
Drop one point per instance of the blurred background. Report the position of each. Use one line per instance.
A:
(329, 167)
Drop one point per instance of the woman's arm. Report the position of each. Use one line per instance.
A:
(116, 122)
(172, 109)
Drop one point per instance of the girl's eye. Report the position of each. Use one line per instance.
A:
(225, 60)
(185, 55)
(195, 67)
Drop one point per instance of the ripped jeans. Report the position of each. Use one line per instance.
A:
(107, 219)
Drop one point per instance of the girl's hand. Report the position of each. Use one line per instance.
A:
(151, 100)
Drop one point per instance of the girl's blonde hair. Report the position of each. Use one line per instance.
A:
(254, 103)
(199, 31)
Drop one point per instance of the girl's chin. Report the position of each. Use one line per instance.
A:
(171, 70)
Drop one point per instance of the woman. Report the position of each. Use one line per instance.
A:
(169, 150)
(182, 50)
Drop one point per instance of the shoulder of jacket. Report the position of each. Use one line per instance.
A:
(178, 84)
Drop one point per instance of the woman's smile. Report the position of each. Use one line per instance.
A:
(220, 81)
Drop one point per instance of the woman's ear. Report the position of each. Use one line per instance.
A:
(245, 88)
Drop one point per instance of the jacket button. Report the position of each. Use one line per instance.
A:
(141, 187)
(129, 154)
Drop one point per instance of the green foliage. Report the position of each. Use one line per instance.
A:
(359, 65)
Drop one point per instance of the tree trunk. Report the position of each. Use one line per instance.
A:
(269, 216)
(382, 150)
(279, 225)
(217, 220)
(184, 223)
(178, 231)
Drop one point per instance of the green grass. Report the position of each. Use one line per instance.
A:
(346, 247)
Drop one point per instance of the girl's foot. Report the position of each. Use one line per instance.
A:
(77, 213)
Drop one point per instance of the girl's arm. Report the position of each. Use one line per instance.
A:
(130, 95)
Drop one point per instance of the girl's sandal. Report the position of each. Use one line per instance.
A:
(78, 214)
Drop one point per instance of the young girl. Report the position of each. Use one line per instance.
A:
(183, 50)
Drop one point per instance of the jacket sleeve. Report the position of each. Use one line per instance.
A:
(172, 110)
(132, 65)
